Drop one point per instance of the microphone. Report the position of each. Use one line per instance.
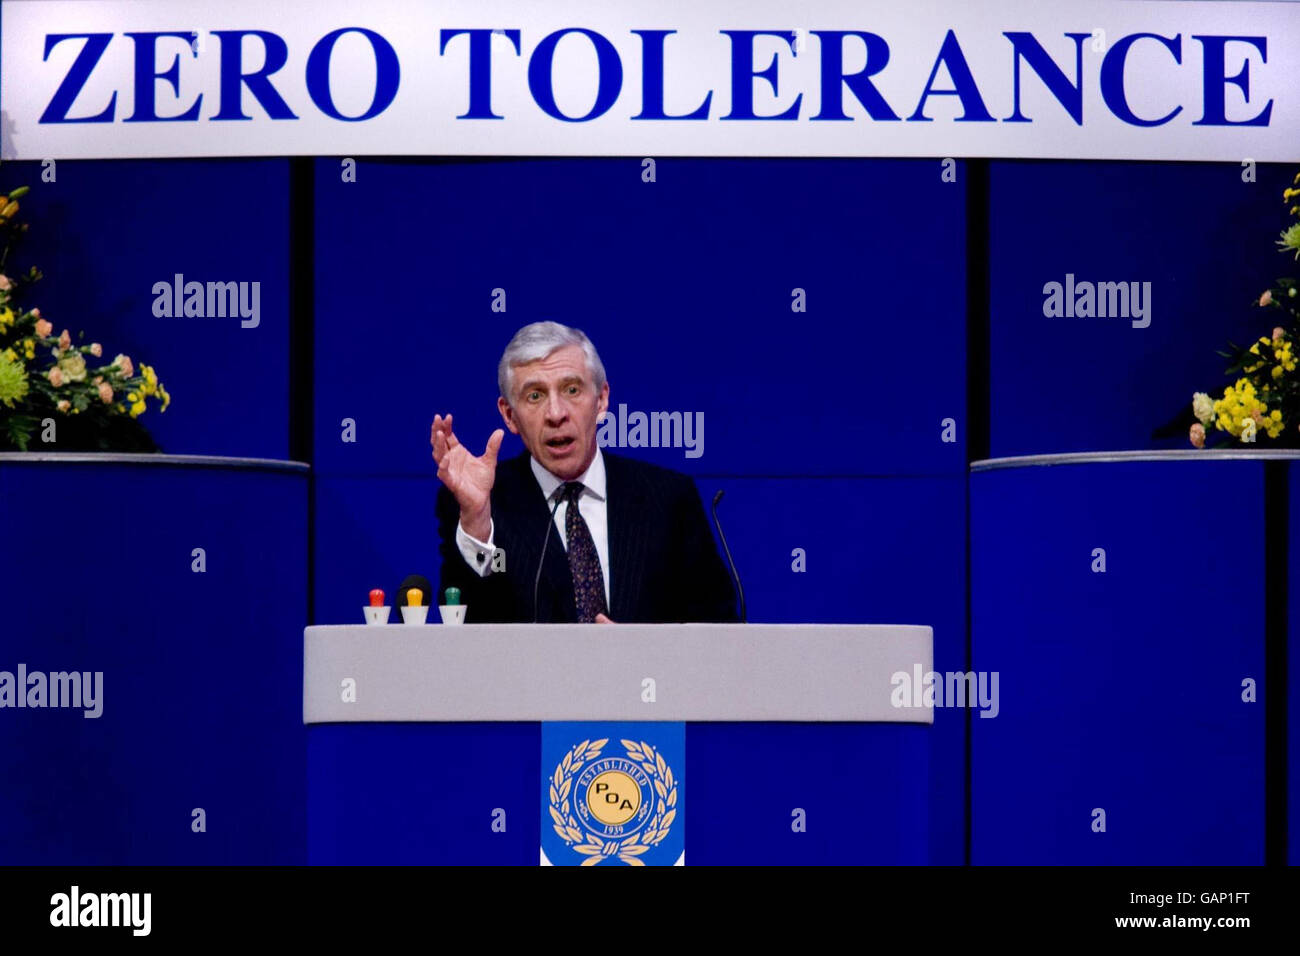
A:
(550, 523)
(414, 581)
(744, 616)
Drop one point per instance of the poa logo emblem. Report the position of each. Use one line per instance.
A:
(613, 804)
(615, 796)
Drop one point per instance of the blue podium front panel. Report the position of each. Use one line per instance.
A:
(185, 588)
(1123, 605)
(384, 793)
(423, 793)
(863, 790)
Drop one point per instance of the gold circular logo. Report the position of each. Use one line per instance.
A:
(607, 807)
(613, 797)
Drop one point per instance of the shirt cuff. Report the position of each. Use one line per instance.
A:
(477, 554)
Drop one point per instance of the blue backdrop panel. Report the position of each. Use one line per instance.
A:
(863, 788)
(423, 793)
(1119, 690)
(1196, 232)
(202, 684)
(104, 232)
(863, 565)
(426, 793)
(684, 284)
(876, 551)
(371, 533)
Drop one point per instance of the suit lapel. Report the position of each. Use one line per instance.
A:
(625, 505)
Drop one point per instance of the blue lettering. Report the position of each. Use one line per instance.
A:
(743, 76)
(62, 100)
(480, 69)
(834, 79)
(233, 77)
(964, 88)
(387, 74)
(147, 77)
(1112, 77)
(1216, 78)
(609, 75)
(652, 79)
(1058, 84)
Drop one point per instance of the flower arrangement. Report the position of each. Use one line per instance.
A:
(46, 380)
(1263, 403)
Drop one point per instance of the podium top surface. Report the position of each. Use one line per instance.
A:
(1222, 453)
(149, 460)
(590, 672)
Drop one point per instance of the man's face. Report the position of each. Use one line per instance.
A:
(554, 408)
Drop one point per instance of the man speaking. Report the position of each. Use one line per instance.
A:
(581, 535)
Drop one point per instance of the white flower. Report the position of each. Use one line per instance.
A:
(74, 367)
(1203, 407)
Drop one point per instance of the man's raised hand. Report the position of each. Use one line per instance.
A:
(467, 477)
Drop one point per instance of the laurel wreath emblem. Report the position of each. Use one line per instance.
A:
(591, 846)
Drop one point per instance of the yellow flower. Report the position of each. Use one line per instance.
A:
(1237, 407)
(1277, 371)
(137, 409)
(11, 355)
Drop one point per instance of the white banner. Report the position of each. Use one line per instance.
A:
(1121, 79)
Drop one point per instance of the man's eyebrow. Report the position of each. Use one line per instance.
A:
(535, 383)
(539, 385)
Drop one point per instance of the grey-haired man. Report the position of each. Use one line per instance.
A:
(629, 541)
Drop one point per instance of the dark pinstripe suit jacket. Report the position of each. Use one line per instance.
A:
(664, 566)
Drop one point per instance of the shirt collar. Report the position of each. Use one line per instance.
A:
(593, 478)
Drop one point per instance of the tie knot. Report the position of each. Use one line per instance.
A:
(572, 489)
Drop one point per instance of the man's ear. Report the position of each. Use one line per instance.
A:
(507, 415)
(602, 403)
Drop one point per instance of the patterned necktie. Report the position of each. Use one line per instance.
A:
(584, 562)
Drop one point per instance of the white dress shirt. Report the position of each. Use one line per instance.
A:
(591, 505)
